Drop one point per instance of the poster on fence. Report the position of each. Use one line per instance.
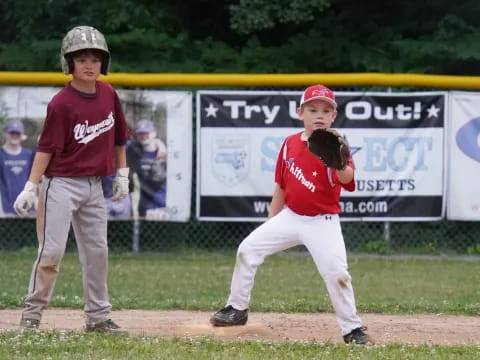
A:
(158, 154)
(463, 200)
(396, 139)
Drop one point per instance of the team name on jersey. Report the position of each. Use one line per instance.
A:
(86, 133)
(16, 162)
(298, 174)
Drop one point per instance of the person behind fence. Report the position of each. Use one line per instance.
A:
(15, 165)
(146, 157)
(303, 211)
(83, 139)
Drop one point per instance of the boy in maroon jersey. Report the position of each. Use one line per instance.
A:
(303, 211)
(83, 139)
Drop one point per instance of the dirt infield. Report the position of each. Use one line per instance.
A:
(275, 327)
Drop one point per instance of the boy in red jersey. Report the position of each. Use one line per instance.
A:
(303, 211)
(83, 139)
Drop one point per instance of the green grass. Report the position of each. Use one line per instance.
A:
(285, 283)
(16, 345)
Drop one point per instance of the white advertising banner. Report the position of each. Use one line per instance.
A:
(463, 200)
(161, 174)
(396, 140)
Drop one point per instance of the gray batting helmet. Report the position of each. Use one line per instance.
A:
(83, 38)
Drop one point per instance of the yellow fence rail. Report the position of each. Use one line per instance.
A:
(246, 80)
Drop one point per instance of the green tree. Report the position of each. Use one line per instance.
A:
(430, 36)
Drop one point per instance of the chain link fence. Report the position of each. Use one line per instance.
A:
(140, 236)
(442, 237)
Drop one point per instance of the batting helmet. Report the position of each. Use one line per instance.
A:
(83, 38)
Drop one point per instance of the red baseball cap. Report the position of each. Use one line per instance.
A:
(319, 92)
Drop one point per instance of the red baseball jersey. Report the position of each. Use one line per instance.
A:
(81, 131)
(310, 187)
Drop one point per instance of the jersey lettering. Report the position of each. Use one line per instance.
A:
(298, 174)
(86, 133)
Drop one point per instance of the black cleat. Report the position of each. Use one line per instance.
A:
(229, 316)
(29, 324)
(357, 336)
(107, 326)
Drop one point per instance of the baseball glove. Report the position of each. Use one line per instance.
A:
(158, 171)
(330, 147)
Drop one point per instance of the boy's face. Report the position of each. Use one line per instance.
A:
(316, 114)
(87, 66)
(144, 137)
(13, 138)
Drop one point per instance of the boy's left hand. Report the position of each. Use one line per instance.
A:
(120, 184)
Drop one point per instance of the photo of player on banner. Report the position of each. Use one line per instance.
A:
(158, 151)
(15, 165)
(147, 159)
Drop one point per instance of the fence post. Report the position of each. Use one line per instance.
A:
(136, 236)
(387, 233)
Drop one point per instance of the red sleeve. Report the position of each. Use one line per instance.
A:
(351, 185)
(122, 133)
(280, 167)
(55, 130)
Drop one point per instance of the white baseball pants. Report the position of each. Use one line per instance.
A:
(322, 236)
(80, 202)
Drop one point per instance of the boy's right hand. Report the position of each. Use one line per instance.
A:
(26, 199)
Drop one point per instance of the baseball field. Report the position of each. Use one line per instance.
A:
(414, 308)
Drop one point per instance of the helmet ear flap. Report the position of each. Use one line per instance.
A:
(105, 64)
(70, 63)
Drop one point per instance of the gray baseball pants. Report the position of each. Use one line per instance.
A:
(78, 201)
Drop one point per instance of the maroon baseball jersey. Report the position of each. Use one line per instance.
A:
(81, 131)
(310, 187)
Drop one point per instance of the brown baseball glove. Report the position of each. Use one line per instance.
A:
(330, 147)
